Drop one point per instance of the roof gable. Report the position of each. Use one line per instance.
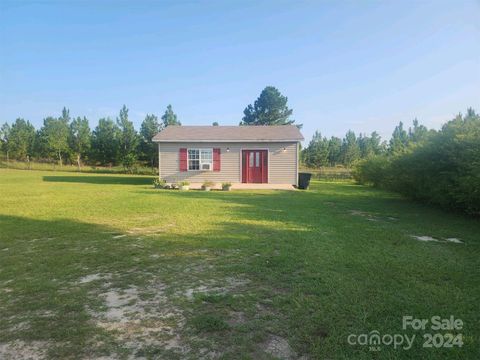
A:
(229, 134)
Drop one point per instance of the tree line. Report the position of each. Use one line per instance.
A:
(436, 167)
(69, 139)
(323, 152)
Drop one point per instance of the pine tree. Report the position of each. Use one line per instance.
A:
(334, 151)
(170, 118)
(53, 137)
(128, 139)
(79, 138)
(418, 133)
(350, 149)
(399, 140)
(269, 109)
(105, 142)
(316, 153)
(21, 139)
(147, 148)
(5, 140)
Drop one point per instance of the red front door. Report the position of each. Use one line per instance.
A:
(254, 166)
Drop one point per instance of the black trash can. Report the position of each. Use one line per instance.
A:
(304, 180)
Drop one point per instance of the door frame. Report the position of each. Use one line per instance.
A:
(254, 149)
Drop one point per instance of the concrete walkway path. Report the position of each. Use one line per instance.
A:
(241, 186)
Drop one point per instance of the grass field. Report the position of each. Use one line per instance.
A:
(138, 169)
(104, 265)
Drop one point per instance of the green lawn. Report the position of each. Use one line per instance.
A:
(104, 265)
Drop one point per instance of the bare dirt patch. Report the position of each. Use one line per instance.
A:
(236, 318)
(22, 326)
(425, 238)
(454, 240)
(151, 230)
(14, 350)
(372, 216)
(140, 318)
(279, 348)
(430, 238)
(211, 287)
(94, 277)
(364, 214)
(119, 236)
(150, 316)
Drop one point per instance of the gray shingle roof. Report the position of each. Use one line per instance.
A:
(229, 133)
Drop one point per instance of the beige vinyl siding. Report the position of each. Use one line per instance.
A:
(283, 164)
(282, 167)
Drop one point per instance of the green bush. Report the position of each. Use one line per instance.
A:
(372, 171)
(444, 170)
(208, 184)
(129, 163)
(159, 183)
(226, 185)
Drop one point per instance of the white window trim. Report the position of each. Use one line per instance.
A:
(199, 159)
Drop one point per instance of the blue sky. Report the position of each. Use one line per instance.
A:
(360, 65)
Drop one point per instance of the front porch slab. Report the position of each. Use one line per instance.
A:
(249, 186)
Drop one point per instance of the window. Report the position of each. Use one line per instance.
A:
(193, 159)
(206, 159)
(200, 159)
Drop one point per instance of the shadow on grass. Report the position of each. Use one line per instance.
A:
(304, 254)
(104, 180)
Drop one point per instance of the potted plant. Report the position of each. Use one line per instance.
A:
(226, 186)
(207, 185)
(159, 183)
(184, 185)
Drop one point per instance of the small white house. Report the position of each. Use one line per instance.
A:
(236, 154)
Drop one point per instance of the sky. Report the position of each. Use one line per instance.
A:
(360, 65)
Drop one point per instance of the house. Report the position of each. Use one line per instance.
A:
(236, 154)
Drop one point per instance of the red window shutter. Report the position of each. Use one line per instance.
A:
(183, 159)
(216, 159)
